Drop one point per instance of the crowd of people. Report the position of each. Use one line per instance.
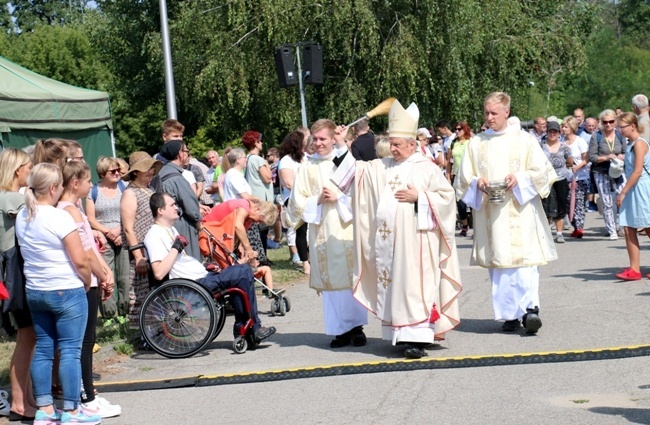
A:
(372, 220)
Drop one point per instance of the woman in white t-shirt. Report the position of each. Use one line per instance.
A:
(579, 184)
(235, 185)
(292, 154)
(57, 274)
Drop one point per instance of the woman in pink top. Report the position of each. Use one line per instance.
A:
(247, 212)
(76, 184)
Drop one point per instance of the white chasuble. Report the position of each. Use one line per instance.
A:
(330, 226)
(405, 262)
(514, 233)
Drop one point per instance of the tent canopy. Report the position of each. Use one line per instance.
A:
(29, 101)
(35, 107)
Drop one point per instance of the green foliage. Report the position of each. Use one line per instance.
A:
(29, 14)
(60, 52)
(617, 70)
(634, 16)
(445, 55)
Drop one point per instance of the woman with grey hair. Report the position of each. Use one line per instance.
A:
(605, 146)
(382, 146)
(235, 186)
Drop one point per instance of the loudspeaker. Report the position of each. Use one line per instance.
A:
(312, 62)
(284, 66)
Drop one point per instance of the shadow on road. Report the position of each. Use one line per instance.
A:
(635, 416)
(479, 326)
(595, 274)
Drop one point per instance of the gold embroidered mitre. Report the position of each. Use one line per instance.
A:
(403, 122)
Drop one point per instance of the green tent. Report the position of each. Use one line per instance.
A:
(35, 107)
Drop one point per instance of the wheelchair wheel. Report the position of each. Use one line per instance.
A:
(275, 307)
(287, 304)
(240, 344)
(282, 307)
(178, 318)
(219, 319)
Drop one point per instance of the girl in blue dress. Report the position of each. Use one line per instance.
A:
(634, 199)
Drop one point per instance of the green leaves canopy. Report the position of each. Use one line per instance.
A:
(445, 55)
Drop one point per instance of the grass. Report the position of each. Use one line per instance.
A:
(284, 271)
(7, 345)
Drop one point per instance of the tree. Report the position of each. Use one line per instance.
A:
(31, 13)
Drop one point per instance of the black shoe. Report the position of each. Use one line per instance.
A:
(263, 332)
(415, 352)
(265, 292)
(17, 417)
(96, 376)
(358, 337)
(532, 321)
(341, 340)
(510, 325)
(267, 262)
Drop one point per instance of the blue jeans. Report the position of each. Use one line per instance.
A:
(59, 322)
(236, 276)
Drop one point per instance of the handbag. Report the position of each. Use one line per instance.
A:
(4, 294)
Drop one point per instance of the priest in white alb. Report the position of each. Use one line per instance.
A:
(406, 268)
(316, 200)
(512, 237)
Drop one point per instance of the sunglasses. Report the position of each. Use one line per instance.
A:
(114, 171)
(457, 129)
(609, 121)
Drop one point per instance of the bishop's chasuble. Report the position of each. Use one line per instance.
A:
(406, 268)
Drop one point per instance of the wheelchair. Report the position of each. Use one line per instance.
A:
(180, 317)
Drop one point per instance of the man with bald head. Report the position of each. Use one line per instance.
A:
(591, 125)
(212, 175)
(579, 115)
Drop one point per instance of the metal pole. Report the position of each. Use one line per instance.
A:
(167, 59)
(303, 108)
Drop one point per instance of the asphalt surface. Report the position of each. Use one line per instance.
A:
(583, 307)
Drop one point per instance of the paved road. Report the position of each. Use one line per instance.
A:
(583, 307)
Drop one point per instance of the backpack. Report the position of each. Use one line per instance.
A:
(157, 181)
(617, 134)
(95, 190)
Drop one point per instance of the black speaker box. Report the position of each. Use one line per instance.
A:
(312, 62)
(284, 66)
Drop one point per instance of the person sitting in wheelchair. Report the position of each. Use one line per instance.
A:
(165, 249)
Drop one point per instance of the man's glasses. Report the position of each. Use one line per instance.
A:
(609, 122)
(114, 171)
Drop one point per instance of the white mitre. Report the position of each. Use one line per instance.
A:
(403, 122)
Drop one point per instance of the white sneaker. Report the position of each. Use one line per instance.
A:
(101, 407)
(613, 237)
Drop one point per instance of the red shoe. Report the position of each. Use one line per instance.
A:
(629, 274)
(574, 234)
(579, 233)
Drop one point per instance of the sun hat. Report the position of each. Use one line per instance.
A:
(141, 161)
